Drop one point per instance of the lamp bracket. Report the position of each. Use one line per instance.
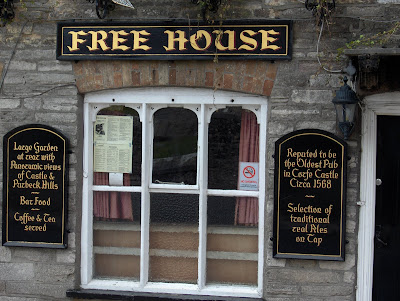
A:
(103, 7)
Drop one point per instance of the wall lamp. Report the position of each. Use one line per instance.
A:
(6, 11)
(345, 103)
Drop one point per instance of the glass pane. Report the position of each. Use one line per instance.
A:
(116, 239)
(232, 240)
(233, 137)
(232, 271)
(116, 206)
(175, 146)
(117, 147)
(173, 238)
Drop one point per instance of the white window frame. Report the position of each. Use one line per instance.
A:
(374, 105)
(145, 100)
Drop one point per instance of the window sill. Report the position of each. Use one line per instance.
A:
(132, 296)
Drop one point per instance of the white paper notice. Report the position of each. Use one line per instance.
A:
(113, 129)
(248, 176)
(116, 179)
(113, 144)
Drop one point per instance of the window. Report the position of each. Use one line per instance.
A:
(174, 192)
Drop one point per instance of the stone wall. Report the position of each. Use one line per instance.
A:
(36, 88)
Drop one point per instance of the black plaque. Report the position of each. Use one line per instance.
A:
(310, 194)
(258, 40)
(34, 187)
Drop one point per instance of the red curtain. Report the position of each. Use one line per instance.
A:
(111, 204)
(246, 210)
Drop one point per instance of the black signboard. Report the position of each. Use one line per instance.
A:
(310, 194)
(267, 39)
(34, 187)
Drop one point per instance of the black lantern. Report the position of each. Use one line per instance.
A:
(6, 11)
(345, 103)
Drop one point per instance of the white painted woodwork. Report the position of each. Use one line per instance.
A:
(146, 101)
(380, 104)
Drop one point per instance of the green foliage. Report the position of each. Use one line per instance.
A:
(212, 9)
(323, 11)
(370, 41)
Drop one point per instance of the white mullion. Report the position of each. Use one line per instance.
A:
(262, 191)
(145, 197)
(233, 193)
(116, 188)
(202, 172)
(87, 197)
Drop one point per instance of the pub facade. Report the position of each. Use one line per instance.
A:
(199, 150)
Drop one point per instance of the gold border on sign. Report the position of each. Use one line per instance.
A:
(341, 199)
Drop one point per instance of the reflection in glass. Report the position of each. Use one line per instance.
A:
(232, 251)
(223, 148)
(233, 138)
(173, 238)
(175, 146)
(116, 245)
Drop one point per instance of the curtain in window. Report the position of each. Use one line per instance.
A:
(246, 210)
(111, 204)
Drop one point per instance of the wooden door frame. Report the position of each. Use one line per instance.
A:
(374, 105)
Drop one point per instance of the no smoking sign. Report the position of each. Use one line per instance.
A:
(248, 176)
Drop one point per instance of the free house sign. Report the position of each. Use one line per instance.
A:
(172, 40)
(310, 194)
(34, 187)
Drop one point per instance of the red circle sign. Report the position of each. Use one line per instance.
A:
(249, 172)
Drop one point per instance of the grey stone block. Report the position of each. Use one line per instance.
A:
(16, 271)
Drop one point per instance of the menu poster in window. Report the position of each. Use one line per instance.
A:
(35, 187)
(113, 144)
(310, 195)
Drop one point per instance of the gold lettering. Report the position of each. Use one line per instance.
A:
(137, 39)
(172, 39)
(117, 40)
(231, 40)
(96, 41)
(26, 148)
(75, 40)
(35, 228)
(24, 219)
(266, 39)
(247, 40)
(197, 36)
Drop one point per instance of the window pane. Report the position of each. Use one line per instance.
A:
(117, 147)
(232, 240)
(175, 146)
(232, 271)
(116, 206)
(173, 238)
(116, 241)
(233, 138)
